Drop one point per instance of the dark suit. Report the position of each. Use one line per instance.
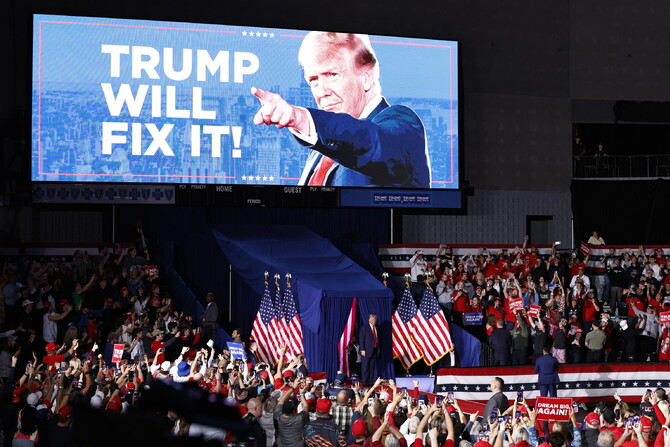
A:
(369, 362)
(387, 148)
(210, 320)
(500, 342)
(546, 368)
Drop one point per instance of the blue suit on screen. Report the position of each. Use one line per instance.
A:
(386, 149)
(546, 368)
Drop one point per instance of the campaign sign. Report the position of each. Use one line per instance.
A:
(117, 100)
(516, 304)
(664, 317)
(117, 354)
(534, 311)
(237, 351)
(553, 408)
(473, 318)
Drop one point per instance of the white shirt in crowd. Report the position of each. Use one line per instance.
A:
(418, 267)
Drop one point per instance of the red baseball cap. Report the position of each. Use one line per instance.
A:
(288, 373)
(323, 406)
(16, 395)
(65, 412)
(592, 419)
(114, 404)
(358, 428)
(127, 387)
(51, 347)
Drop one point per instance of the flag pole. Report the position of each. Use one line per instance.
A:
(432, 373)
(407, 277)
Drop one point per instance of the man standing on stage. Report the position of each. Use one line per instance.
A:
(368, 337)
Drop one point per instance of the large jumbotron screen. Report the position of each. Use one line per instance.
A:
(118, 100)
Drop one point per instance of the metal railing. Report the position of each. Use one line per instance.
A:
(486, 355)
(622, 166)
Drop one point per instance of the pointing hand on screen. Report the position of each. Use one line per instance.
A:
(275, 110)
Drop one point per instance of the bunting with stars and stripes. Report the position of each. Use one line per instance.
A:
(582, 382)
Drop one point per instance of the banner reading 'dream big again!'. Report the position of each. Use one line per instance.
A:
(164, 102)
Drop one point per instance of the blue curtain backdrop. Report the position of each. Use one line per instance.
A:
(327, 336)
(324, 280)
(468, 347)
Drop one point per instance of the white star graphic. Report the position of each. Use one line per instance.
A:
(244, 177)
(567, 385)
(258, 178)
(244, 33)
(265, 178)
(523, 387)
(272, 35)
(577, 385)
(646, 383)
(623, 384)
(658, 383)
(634, 384)
(265, 34)
(511, 387)
(250, 178)
(588, 384)
(533, 386)
(271, 178)
(455, 387)
(251, 34)
(600, 384)
(258, 34)
(611, 384)
(465, 387)
(477, 388)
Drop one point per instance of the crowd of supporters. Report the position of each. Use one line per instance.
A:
(591, 310)
(94, 352)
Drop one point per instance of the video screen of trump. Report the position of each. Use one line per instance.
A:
(166, 102)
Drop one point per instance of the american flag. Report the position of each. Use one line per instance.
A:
(265, 330)
(432, 330)
(346, 339)
(313, 439)
(293, 324)
(405, 319)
